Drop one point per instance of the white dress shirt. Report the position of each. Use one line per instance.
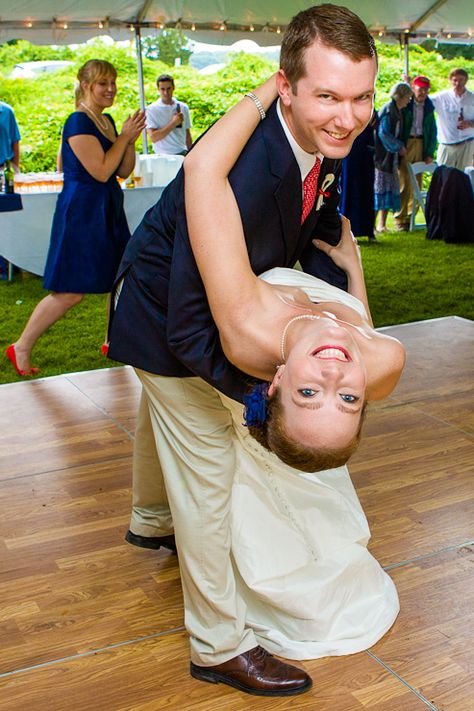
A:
(304, 159)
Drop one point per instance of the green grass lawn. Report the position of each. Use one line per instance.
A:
(408, 279)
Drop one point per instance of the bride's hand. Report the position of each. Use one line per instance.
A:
(346, 254)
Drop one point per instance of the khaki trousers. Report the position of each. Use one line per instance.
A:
(183, 469)
(458, 155)
(414, 154)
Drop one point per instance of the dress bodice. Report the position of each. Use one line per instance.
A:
(316, 289)
(77, 124)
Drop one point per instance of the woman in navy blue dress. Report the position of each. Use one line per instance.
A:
(90, 230)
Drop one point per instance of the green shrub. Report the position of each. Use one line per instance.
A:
(42, 105)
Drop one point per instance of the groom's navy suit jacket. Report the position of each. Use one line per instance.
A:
(162, 323)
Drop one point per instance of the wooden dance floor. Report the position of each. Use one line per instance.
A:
(90, 623)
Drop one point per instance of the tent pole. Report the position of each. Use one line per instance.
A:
(406, 43)
(141, 85)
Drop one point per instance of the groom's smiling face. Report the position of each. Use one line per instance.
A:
(332, 103)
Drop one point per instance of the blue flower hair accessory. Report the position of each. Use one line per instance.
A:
(256, 406)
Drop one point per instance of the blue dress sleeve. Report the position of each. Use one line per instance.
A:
(79, 124)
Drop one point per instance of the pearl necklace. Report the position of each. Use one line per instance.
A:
(285, 330)
(103, 125)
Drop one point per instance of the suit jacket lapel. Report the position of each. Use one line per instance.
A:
(287, 186)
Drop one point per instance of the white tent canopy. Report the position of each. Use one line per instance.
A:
(221, 21)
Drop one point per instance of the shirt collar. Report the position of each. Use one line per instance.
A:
(305, 160)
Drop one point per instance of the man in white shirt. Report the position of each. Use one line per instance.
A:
(168, 121)
(455, 120)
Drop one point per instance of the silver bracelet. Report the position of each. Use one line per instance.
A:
(257, 103)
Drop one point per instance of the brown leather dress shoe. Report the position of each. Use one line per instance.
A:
(256, 672)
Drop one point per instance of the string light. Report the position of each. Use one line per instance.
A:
(277, 29)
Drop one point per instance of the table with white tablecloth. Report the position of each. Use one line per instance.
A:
(24, 235)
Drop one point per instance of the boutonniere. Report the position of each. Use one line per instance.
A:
(323, 190)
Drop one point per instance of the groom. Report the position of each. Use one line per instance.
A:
(184, 456)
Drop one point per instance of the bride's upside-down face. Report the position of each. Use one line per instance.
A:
(322, 386)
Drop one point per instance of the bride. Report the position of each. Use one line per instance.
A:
(299, 538)
(313, 344)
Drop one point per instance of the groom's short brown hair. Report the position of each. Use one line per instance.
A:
(332, 25)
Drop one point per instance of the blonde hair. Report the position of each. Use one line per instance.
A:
(91, 72)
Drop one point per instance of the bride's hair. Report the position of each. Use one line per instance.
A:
(272, 435)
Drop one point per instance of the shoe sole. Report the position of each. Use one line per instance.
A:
(216, 678)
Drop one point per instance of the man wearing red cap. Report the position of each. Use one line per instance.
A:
(419, 136)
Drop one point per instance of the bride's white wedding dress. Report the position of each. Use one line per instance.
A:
(299, 543)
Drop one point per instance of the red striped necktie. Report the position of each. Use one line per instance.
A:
(310, 185)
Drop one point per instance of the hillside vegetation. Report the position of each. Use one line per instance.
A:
(42, 104)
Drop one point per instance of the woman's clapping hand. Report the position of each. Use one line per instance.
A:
(134, 125)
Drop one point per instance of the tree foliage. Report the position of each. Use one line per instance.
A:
(167, 46)
(42, 105)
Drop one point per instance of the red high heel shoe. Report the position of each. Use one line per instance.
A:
(11, 355)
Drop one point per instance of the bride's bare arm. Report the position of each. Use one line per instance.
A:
(213, 218)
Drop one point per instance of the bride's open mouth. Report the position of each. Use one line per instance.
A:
(332, 353)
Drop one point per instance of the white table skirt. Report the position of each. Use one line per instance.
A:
(24, 235)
